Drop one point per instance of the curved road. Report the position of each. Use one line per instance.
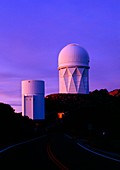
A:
(53, 152)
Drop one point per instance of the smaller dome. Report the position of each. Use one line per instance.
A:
(73, 55)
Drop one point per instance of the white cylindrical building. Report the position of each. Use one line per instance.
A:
(73, 66)
(33, 99)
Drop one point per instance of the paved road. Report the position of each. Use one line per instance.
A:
(53, 152)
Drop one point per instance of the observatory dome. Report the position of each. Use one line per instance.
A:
(73, 55)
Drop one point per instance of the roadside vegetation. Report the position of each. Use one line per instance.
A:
(93, 117)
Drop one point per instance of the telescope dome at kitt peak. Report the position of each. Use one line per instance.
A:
(73, 66)
(73, 54)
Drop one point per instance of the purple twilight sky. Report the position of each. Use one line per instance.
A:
(32, 33)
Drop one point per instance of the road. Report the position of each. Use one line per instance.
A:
(53, 152)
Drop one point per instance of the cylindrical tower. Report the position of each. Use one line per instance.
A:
(73, 66)
(33, 99)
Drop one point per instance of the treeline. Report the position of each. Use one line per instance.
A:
(90, 116)
(94, 115)
(13, 126)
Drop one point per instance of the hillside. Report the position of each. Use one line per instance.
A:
(93, 117)
(115, 92)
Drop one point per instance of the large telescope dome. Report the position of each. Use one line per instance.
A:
(73, 55)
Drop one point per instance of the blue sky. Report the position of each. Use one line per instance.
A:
(32, 33)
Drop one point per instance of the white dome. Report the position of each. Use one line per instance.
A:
(73, 55)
